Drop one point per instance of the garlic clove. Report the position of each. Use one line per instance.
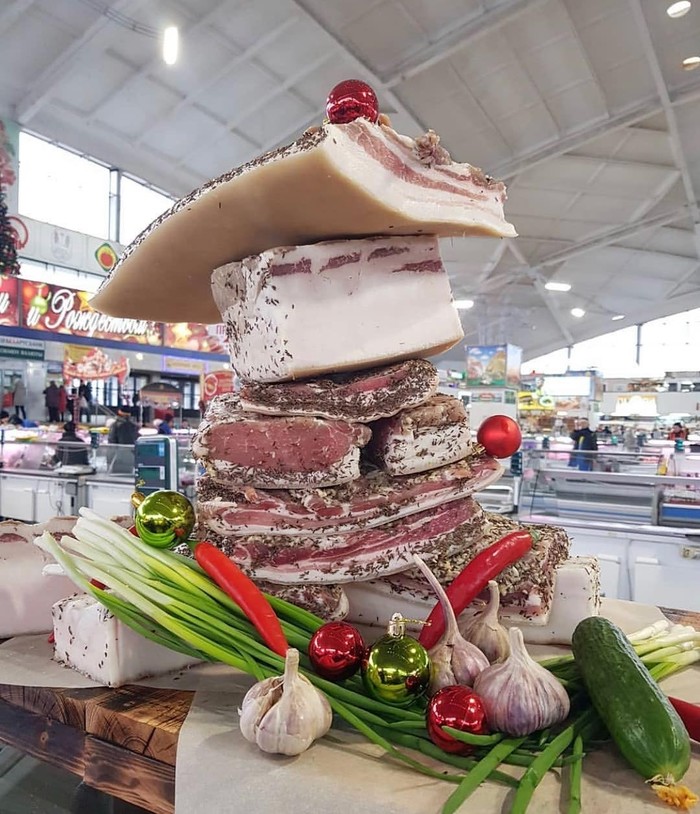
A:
(519, 695)
(256, 703)
(455, 660)
(484, 630)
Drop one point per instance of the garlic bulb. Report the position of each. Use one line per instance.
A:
(285, 714)
(455, 660)
(484, 630)
(520, 696)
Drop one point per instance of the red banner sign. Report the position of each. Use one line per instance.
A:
(64, 311)
(9, 302)
(216, 383)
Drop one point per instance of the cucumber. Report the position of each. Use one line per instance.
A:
(639, 717)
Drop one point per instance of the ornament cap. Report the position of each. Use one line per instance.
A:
(137, 499)
(397, 625)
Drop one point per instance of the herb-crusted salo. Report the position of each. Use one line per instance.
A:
(343, 180)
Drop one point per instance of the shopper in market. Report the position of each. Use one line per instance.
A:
(678, 432)
(62, 403)
(51, 400)
(123, 433)
(19, 396)
(71, 450)
(585, 442)
(85, 399)
(166, 425)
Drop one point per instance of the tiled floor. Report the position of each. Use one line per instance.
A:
(30, 787)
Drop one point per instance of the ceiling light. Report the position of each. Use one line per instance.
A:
(618, 317)
(578, 313)
(679, 9)
(464, 305)
(691, 63)
(171, 44)
(139, 357)
(552, 286)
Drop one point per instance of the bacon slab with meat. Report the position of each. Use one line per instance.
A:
(374, 499)
(358, 555)
(363, 397)
(275, 452)
(422, 438)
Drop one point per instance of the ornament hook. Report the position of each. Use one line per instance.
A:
(398, 622)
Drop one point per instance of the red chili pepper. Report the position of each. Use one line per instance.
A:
(97, 584)
(474, 578)
(244, 592)
(690, 715)
(52, 638)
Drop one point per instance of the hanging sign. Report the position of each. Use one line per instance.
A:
(9, 304)
(81, 362)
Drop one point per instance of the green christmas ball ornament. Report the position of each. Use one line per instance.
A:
(164, 518)
(396, 668)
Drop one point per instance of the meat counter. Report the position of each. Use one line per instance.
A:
(644, 528)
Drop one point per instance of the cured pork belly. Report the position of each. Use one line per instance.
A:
(275, 452)
(422, 438)
(301, 311)
(527, 586)
(374, 499)
(363, 554)
(576, 596)
(362, 397)
(352, 180)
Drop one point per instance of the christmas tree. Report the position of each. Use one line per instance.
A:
(8, 238)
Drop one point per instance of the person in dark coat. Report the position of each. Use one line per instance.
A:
(51, 399)
(584, 441)
(123, 432)
(68, 453)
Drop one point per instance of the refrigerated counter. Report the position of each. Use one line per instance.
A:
(644, 528)
(34, 488)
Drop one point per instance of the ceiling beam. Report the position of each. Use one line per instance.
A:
(40, 90)
(457, 38)
(229, 66)
(612, 235)
(12, 12)
(260, 102)
(293, 128)
(577, 139)
(671, 290)
(151, 64)
(380, 87)
(662, 89)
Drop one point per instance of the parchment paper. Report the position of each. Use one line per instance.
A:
(345, 775)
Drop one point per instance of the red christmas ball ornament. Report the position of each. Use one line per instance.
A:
(460, 708)
(336, 650)
(500, 436)
(352, 99)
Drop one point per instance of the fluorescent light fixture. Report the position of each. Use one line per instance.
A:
(679, 9)
(464, 305)
(552, 286)
(139, 356)
(618, 317)
(691, 63)
(578, 313)
(171, 44)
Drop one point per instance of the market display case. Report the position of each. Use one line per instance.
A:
(643, 527)
(42, 476)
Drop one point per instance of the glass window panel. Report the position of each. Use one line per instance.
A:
(62, 188)
(555, 362)
(140, 205)
(612, 354)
